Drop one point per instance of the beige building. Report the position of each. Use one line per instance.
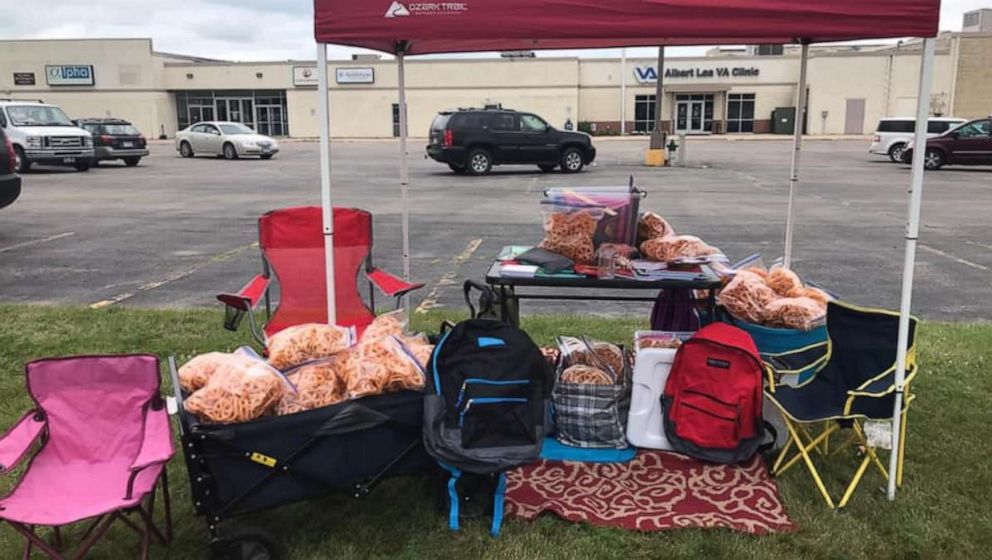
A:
(728, 91)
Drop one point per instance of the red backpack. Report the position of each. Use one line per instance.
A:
(712, 400)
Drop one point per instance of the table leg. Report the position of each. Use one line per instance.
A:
(711, 305)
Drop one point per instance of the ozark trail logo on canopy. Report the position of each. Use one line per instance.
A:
(398, 9)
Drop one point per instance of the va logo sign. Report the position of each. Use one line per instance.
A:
(646, 74)
(397, 10)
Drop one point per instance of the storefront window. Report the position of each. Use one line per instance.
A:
(263, 110)
(643, 113)
(740, 112)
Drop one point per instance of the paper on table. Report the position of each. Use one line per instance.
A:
(518, 270)
(511, 252)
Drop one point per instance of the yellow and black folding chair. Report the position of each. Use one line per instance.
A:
(855, 384)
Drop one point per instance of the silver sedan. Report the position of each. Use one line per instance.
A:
(229, 139)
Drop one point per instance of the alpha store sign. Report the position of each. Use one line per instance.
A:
(69, 74)
(649, 74)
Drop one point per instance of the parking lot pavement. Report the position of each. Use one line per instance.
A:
(174, 232)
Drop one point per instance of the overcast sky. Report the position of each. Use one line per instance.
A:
(241, 29)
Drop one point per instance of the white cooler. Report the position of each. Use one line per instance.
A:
(645, 427)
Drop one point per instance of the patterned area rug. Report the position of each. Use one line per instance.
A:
(653, 492)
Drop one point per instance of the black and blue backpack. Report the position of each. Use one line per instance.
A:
(488, 390)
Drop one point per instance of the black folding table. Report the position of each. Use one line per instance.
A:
(509, 296)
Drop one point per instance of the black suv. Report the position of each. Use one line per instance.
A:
(474, 140)
(115, 139)
(10, 184)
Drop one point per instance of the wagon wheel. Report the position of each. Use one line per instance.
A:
(248, 543)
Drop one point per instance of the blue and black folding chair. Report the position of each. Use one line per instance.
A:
(855, 384)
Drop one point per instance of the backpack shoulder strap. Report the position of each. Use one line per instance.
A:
(453, 499)
(498, 499)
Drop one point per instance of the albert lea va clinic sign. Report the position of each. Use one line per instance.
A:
(649, 74)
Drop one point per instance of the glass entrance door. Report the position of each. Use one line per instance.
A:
(236, 109)
(270, 121)
(694, 114)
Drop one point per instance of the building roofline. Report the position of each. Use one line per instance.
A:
(76, 39)
(188, 57)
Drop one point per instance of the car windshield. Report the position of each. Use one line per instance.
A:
(37, 115)
(235, 128)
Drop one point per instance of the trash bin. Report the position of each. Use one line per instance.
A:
(783, 120)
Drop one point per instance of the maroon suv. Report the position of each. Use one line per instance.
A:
(967, 144)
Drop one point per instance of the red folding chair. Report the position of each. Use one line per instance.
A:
(292, 245)
(105, 440)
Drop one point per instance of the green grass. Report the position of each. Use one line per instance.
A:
(943, 510)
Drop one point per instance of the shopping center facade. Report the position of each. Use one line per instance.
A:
(728, 91)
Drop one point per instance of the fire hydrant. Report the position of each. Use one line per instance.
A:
(672, 147)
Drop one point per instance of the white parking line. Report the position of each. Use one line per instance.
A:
(168, 279)
(448, 278)
(953, 258)
(37, 241)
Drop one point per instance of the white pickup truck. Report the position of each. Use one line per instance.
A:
(43, 134)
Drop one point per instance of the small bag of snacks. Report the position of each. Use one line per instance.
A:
(660, 339)
(242, 388)
(569, 231)
(299, 344)
(317, 385)
(195, 373)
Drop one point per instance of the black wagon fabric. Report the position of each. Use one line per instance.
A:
(279, 460)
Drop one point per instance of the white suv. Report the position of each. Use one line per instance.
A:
(892, 135)
(43, 134)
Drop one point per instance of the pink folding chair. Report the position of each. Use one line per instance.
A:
(105, 439)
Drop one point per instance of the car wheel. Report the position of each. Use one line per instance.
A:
(266, 156)
(479, 162)
(933, 159)
(83, 165)
(546, 168)
(456, 168)
(131, 161)
(571, 160)
(185, 149)
(230, 152)
(21, 162)
(895, 152)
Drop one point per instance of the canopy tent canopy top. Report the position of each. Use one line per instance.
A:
(450, 26)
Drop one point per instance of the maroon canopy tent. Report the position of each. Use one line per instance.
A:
(427, 27)
(491, 25)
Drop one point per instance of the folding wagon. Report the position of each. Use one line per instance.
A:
(236, 469)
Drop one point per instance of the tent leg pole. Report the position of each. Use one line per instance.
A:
(323, 115)
(797, 144)
(912, 234)
(623, 91)
(404, 172)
